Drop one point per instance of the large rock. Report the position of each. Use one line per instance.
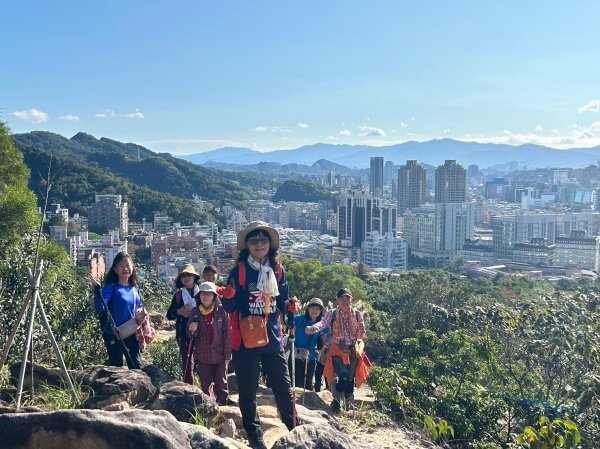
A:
(112, 385)
(97, 429)
(41, 376)
(315, 436)
(183, 401)
(157, 376)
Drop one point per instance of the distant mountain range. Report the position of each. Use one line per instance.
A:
(432, 152)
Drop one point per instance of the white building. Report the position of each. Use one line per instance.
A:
(578, 250)
(437, 232)
(387, 251)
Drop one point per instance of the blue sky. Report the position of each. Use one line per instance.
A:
(185, 77)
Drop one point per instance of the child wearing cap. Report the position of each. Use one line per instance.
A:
(344, 364)
(181, 306)
(209, 328)
(305, 347)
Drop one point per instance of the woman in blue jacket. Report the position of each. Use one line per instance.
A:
(122, 297)
(306, 354)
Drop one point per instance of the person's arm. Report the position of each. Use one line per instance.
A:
(284, 293)
(361, 326)
(192, 327)
(231, 292)
(318, 327)
(172, 311)
(226, 338)
(105, 294)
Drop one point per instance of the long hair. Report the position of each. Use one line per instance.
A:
(112, 277)
(307, 315)
(273, 255)
(179, 284)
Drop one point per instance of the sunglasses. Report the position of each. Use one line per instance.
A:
(258, 241)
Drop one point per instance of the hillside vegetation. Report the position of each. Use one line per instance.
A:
(86, 165)
(295, 190)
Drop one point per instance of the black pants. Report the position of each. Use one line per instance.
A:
(319, 376)
(343, 380)
(115, 351)
(247, 369)
(300, 367)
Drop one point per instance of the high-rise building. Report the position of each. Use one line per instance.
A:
(385, 251)
(388, 172)
(411, 185)
(108, 213)
(376, 177)
(437, 232)
(450, 183)
(359, 213)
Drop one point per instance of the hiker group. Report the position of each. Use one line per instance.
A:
(252, 322)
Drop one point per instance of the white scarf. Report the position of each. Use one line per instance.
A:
(189, 299)
(267, 282)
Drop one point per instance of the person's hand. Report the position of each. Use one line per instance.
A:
(228, 292)
(140, 315)
(185, 310)
(309, 330)
(92, 283)
(193, 327)
(293, 305)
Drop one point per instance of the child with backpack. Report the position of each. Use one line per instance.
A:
(306, 345)
(209, 330)
(344, 365)
(181, 306)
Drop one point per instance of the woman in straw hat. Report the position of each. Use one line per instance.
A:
(181, 306)
(257, 291)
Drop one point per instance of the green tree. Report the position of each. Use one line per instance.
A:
(17, 203)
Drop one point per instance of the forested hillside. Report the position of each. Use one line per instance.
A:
(161, 173)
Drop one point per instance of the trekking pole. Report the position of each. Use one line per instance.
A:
(291, 339)
(114, 329)
(308, 342)
(189, 351)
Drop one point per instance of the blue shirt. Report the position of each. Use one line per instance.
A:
(302, 339)
(123, 302)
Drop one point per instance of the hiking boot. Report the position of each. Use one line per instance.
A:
(255, 440)
(228, 401)
(335, 406)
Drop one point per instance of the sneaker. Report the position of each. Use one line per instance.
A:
(335, 406)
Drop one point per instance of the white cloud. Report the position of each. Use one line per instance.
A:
(137, 115)
(345, 132)
(69, 118)
(577, 136)
(32, 115)
(539, 127)
(273, 129)
(372, 131)
(105, 113)
(303, 125)
(403, 125)
(591, 106)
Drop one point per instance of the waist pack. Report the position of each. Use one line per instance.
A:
(254, 331)
(128, 328)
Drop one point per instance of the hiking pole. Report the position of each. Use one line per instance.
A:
(189, 351)
(308, 342)
(114, 328)
(292, 338)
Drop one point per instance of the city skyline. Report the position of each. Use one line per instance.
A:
(192, 77)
